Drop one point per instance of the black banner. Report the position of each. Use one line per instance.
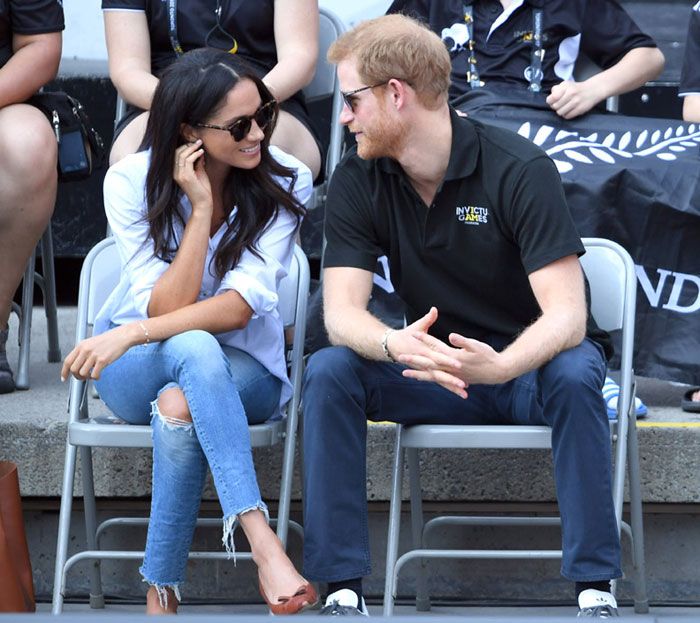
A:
(633, 180)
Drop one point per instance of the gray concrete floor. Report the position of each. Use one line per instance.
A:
(485, 613)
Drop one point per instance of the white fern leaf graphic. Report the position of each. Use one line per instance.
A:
(609, 140)
(655, 137)
(680, 130)
(624, 140)
(524, 130)
(668, 133)
(602, 155)
(574, 155)
(562, 134)
(691, 128)
(642, 138)
(542, 134)
(593, 138)
(688, 144)
(676, 148)
(563, 167)
(665, 156)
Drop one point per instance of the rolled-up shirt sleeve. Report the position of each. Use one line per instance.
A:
(256, 277)
(125, 205)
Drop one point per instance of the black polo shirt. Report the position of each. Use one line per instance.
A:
(600, 29)
(27, 17)
(251, 23)
(690, 74)
(499, 215)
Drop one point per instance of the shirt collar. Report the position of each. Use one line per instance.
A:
(464, 151)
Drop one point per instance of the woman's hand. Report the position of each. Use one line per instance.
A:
(91, 356)
(190, 175)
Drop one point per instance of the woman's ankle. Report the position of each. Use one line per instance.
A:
(161, 600)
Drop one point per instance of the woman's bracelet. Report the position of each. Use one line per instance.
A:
(145, 332)
(385, 346)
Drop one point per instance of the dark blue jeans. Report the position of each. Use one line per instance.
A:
(342, 390)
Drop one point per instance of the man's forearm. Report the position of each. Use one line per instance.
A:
(543, 340)
(357, 329)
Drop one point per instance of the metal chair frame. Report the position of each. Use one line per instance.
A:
(610, 272)
(47, 283)
(98, 277)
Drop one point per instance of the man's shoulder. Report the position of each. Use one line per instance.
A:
(505, 147)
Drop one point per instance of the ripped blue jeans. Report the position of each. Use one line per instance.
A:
(226, 389)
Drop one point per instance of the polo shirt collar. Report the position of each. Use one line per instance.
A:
(464, 151)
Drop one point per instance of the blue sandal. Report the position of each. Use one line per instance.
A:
(611, 393)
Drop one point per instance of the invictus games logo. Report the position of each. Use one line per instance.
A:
(472, 215)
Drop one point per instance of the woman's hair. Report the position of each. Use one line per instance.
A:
(191, 91)
(398, 46)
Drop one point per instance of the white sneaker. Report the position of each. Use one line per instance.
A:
(344, 603)
(597, 604)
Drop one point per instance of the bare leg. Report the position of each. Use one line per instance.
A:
(27, 192)
(129, 140)
(292, 136)
(153, 605)
(277, 574)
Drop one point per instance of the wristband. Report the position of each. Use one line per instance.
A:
(385, 347)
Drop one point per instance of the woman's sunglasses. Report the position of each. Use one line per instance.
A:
(240, 128)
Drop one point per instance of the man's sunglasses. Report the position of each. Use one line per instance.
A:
(240, 128)
(349, 96)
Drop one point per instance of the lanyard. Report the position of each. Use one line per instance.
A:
(172, 29)
(536, 55)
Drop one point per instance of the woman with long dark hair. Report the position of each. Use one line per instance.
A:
(204, 218)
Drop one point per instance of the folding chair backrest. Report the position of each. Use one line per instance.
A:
(103, 277)
(608, 269)
(325, 84)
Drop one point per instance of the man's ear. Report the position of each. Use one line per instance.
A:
(397, 91)
(189, 133)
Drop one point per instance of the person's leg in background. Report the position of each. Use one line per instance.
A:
(292, 136)
(28, 180)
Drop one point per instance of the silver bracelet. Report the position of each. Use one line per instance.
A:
(385, 347)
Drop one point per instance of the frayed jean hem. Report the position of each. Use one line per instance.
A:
(231, 522)
(162, 590)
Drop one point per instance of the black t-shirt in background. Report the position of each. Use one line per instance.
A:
(27, 17)
(499, 215)
(251, 23)
(600, 29)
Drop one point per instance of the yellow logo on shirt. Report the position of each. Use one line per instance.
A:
(472, 215)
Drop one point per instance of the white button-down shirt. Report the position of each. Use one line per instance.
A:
(256, 279)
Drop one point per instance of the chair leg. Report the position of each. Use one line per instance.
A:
(96, 597)
(25, 325)
(286, 484)
(641, 600)
(63, 529)
(50, 308)
(392, 541)
(417, 523)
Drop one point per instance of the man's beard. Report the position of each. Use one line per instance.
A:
(383, 140)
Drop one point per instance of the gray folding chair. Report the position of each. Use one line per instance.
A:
(611, 275)
(98, 278)
(47, 283)
(325, 84)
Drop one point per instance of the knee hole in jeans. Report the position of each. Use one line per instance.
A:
(172, 408)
